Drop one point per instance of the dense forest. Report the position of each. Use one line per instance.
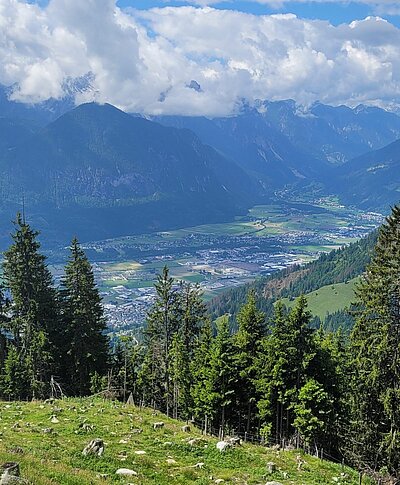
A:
(273, 378)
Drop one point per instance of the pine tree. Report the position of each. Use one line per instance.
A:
(34, 321)
(86, 345)
(375, 347)
(251, 323)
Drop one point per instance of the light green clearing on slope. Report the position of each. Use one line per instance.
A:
(328, 299)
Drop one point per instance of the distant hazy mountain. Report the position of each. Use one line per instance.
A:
(257, 146)
(282, 131)
(14, 131)
(371, 181)
(99, 172)
(46, 111)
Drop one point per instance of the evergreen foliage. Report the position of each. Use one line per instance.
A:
(33, 317)
(375, 346)
(85, 346)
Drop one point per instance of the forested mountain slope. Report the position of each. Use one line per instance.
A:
(337, 266)
(377, 176)
(100, 172)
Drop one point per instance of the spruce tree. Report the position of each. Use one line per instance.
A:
(34, 322)
(251, 328)
(163, 321)
(86, 345)
(375, 348)
(192, 313)
(203, 390)
(222, 373)
(284, 367)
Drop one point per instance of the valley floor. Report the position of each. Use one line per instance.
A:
(219, 256)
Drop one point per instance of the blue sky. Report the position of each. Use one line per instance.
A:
(335, 12)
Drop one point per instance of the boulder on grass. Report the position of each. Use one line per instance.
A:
(10, 474)
(95, 447)
(126, 472)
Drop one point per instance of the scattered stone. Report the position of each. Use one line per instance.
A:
(123, 442)
(234, 441)
(219, 480)
(47, 430)
(273, 483)
(223, 445)
(271, 466)
(199, 465)
(10, 474)
(300, 462)
(193, 442)
(158, 425)
(140, 452)
(126, 472)
(54, 419)
(136, 430)
(168, 443)
(186, 428)
(17, 450)
(86, 427)
(130, 401)
(95, 447)
(171, 461)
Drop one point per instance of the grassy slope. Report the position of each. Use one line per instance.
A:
(56, 458)
(329, 299)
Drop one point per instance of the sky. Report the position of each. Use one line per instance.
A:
(201, 57)
(334, 11)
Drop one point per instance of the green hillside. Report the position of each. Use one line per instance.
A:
(339, 269)
(47, 441)
(328, 299)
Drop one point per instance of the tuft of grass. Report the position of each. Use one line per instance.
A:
(56, 457)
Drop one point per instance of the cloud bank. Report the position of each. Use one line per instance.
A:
(188, 60)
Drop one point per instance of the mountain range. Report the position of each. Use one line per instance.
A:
(98, 172)
(101, 172)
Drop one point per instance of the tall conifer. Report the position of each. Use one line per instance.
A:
(86, 345)
(251, 322)
(34, 319)
(375, 347)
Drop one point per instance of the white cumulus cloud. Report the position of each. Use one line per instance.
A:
(144, 61)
